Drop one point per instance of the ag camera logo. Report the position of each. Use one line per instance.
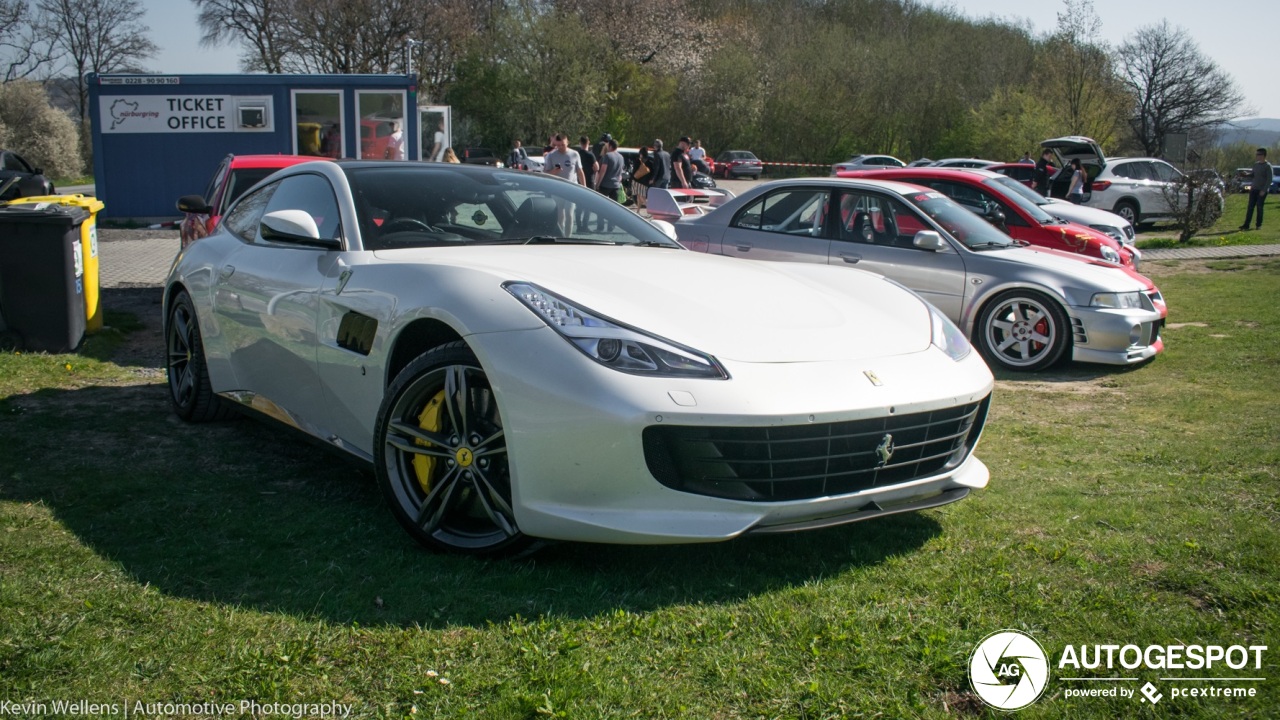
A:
(1009, 670)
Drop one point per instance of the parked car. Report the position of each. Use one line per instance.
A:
(866, 162)
(27, 179)
(1275, 179)
(963, 163)
(510, 379)
(738, 163)
(235, 175)
(921, 162)
(1002, 202)
(1242, 180)
(1025, 308)
(532, 161)
(480, 156)
(375, 137)
(1022, 172)
(1103, 221)
(1133, 188)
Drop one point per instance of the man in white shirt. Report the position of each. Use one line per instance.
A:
(566, 163)
(395, 142)
(438, 144)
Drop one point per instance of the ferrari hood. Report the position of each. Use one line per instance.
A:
(739, 310)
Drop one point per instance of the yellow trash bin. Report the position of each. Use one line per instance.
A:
(88, 246)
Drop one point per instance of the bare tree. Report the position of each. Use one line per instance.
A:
(348, 36)
(1078, 76)
(255, 24)
(96, 36)
(1176, 89)
(1196, 203)
(23, 49)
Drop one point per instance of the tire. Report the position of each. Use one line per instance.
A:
(1023, 330)
(190, 389)
(1128, 210)
(450, 491)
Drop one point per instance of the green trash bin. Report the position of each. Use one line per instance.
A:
(41, 277)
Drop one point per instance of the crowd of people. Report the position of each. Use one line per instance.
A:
(602, 168)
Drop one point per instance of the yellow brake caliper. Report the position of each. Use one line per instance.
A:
(430, 419)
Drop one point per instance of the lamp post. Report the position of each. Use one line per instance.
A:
(409, 45)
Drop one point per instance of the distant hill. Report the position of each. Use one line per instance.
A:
(1263, 132)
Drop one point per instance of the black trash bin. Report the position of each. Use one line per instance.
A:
(41, 277)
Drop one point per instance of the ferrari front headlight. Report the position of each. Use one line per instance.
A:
(947, 337)
(613, 344)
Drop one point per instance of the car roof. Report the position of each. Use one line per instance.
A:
(843, 180)
(975, 174)
(239, 162)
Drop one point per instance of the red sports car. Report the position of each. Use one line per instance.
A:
(1009, 211)
(235, 174)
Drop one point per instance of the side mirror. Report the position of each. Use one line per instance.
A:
(194, 204)
(929, 240)
(295, 226)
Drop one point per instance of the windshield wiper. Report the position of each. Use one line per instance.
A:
(543, 239)
(990, 244)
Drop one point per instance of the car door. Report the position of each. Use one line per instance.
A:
(787, 224)
(1165, 177)
(1133, 179)
(266, 296)
(876, 232)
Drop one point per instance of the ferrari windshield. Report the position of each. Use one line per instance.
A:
(960, 223)
(442, 205)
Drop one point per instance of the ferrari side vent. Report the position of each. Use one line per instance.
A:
(356, 332)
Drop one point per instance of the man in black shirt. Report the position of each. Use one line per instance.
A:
(589, 169)
(681, 168)
(1044, 172)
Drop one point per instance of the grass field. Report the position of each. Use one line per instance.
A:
(146, 560)
(1226, 231)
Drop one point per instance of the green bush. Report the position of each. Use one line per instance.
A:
(37, 131)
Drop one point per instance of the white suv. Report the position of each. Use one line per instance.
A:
(1132, 188)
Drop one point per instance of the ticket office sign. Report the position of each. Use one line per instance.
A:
(185, 113)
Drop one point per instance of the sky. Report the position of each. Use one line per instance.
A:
(1227, 31)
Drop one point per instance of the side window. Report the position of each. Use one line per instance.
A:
(797, 211)
(876, 220)
(312, 194)
(210, 194)
(242, 221)
(1166, 172)
(970, 197)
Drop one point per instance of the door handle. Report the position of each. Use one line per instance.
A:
(850, 258)
(743, 247)
(226, 272)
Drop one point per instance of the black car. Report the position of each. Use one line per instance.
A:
(479, 156)
(19, 178)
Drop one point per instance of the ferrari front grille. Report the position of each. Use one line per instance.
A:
(797, 462)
